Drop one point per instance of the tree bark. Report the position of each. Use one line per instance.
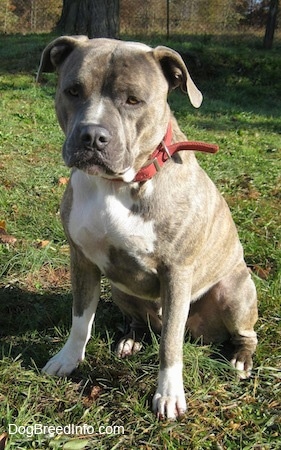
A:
(94, 18)
(271, 24)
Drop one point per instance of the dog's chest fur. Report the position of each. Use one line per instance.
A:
(104, 224)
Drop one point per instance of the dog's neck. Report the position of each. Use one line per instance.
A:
(165, 151)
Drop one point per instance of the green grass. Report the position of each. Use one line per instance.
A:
(241, 112)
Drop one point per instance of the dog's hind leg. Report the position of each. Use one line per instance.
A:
(229, 311)
(141, 313)
(239, 314)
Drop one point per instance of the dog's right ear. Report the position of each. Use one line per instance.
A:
(56, 52)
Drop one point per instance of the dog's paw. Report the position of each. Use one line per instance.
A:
(63, 363)
(169, 399)
(128, 346)
(242, 362)
(168, 407)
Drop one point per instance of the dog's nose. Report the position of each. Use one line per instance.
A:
(95, 137)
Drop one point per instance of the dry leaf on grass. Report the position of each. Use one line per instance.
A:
(3, 440)
(62, 181)
(42, 244)
(261, 272)
(93, 395)
(5, 238)
(95, 392)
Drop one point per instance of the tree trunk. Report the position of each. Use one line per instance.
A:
(94, 18)
(271, 24)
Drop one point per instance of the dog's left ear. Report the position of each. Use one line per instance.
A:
(177, 74)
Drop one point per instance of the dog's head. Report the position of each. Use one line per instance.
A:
(111, 101)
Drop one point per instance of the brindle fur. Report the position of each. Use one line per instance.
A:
(168, 245)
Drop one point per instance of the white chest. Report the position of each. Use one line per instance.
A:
(101, 217)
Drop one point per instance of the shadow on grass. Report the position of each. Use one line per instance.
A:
(21, 53)
(33, 327)
(23, 310)
(28, 320)
(24, 318)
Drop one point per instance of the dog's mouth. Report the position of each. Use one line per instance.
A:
(96, 167)
(127, 175)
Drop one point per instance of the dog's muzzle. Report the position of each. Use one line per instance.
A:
(92, 150)
(88, 147)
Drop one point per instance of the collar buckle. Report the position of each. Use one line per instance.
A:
(166, 150)
(155, 160)
(156, 164)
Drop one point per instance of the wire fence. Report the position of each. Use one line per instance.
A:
(141, 17)
(168, 17)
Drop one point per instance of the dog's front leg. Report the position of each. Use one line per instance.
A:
(85, 279)
(169, 400)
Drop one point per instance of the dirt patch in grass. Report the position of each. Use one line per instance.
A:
(49, 279)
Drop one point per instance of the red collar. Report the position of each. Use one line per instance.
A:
(165, 151)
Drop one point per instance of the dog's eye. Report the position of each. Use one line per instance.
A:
(73, 91)
(131, 100)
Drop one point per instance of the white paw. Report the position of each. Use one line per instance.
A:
(169, 407)
(169, 399)
(127, 347)
(66, 360)
(60, 365)
(73, 352)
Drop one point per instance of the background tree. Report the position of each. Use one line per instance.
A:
(25, 16)
(271, 24)
(94, 18)
(8, 20)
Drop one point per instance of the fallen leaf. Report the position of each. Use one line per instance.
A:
(261, 272)
(234, 426)
(42, 244)
(75, 444)
(254, 194)
(3, 440)
(92, 396)
(95, 392)
(62, 181)
(5, 238)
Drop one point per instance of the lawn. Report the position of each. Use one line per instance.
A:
(106, 403)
